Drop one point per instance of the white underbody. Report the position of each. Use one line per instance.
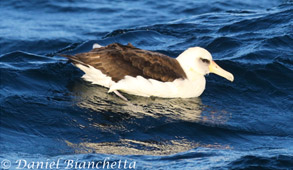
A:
(183, 88)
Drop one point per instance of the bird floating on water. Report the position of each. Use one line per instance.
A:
(140, 72)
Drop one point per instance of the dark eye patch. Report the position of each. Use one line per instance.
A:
(205, 60)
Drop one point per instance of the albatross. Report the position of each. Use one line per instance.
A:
(135, 71)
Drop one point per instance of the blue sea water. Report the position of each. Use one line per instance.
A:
(48, 113)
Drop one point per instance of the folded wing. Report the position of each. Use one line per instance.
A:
(118, 61)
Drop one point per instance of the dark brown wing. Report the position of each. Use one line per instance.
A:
(117, 61)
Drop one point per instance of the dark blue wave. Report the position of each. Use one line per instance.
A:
(259, 162)
(45, 104)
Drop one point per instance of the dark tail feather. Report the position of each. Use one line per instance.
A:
(72, 59)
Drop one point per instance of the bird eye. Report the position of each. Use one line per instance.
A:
(205, 60)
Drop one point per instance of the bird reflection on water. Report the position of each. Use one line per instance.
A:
(117, 122)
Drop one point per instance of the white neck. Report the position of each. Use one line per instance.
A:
(187, 66)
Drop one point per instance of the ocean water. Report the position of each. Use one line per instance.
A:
(48, 113)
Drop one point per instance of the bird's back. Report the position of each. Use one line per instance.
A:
(118, 61)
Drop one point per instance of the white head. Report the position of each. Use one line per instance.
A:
(198, 61)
